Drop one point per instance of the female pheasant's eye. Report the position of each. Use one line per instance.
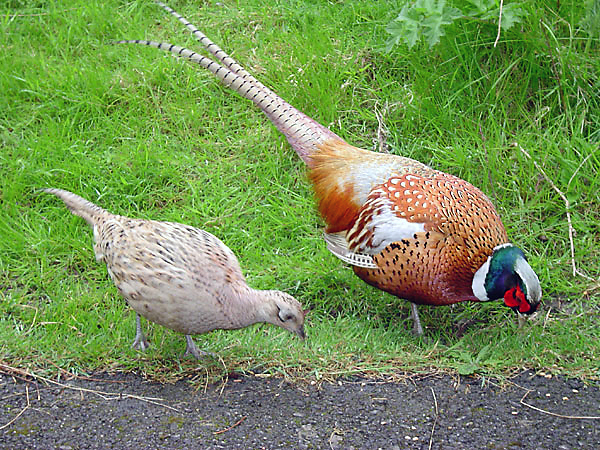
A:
(286, 317)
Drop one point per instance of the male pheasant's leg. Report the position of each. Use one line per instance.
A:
(140, 342)
(192, 350)
(417, 329)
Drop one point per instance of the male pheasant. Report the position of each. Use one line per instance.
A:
(420, 234)
(179, 276)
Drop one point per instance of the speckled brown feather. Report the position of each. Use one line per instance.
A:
(436, 267)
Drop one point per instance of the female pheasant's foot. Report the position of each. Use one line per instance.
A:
(140, 342)
(192, 350)
(417, 329)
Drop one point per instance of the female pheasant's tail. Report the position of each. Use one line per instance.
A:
(303, 133)
(79, 206)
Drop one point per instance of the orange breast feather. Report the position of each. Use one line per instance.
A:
(330, 171)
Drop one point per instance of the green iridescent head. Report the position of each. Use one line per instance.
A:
(507, 274)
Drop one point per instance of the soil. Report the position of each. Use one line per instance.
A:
(125, 411)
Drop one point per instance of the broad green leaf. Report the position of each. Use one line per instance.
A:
(433, 30)
(511, 16)
(398, 33)
(405, 27)
(409, 16)
(425, 19)
(433, 24)
(481, 6)
(425, 6)
(512, 13)
(468, 369)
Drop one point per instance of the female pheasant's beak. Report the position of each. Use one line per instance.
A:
(292, 319)
(300, 333)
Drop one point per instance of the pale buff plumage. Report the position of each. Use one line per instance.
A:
(179, 276)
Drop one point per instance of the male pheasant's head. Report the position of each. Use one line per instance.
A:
(506, 274)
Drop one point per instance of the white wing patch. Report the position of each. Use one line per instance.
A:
(379, 225)
(387, 228)
(337, 244)
(97, 248)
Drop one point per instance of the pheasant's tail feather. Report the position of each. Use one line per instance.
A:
(79, 206)
(215, 50)
(236, 68)
(336, 244)
(302, 132)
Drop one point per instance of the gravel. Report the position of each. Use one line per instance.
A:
(126, 411)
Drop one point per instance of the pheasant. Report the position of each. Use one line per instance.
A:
(180, 277)
(415, 232)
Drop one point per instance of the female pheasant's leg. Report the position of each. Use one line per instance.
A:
(192, 350)
(417, 329)
(140, 342)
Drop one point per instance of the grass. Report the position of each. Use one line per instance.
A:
(146, 135)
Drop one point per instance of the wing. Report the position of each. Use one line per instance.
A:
(338, 245)
(395, 210)
(169, 254)
(427, 208)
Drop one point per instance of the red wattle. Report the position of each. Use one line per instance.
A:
(523, 305)
(509, 298)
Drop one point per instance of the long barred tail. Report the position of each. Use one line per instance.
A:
(302, 132)
(79, 206)
(218, 52)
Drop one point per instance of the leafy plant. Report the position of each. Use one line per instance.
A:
(473, 363)
(427, 19)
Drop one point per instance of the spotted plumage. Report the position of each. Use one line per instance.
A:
(415, 232)
(178, 276)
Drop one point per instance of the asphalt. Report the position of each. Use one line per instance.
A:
(125, 411)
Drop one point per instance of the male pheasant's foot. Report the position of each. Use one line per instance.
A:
(417, 328)
(140, 342)
(192, 350)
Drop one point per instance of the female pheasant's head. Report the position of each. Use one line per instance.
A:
(506, 274)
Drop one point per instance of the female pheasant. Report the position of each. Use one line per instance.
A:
(415, 232)
(179, 276)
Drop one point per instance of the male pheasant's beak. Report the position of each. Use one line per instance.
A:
(523, 319)
(516, 300)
